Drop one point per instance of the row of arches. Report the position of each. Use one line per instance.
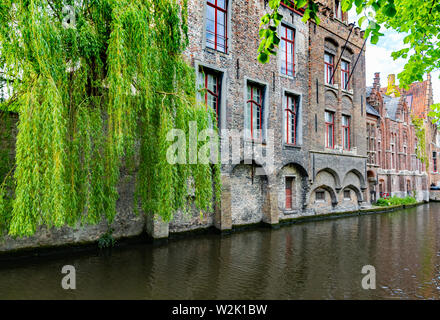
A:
(255, 195)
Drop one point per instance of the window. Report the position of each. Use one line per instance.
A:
(345, 75)
(393, 150)
(290, 192)
(329, 66)
(291, 112)
(434, 161)
(254, 112)
(329, 129)
(347, 195)
(346, 132)
(379, 154)
(404, 158)
(338, 10)
(216, 25)
(320, 196)
(292, 7)
(287, 51)
(210, 82)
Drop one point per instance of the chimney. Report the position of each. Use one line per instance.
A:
(376, 83)
(392, 90)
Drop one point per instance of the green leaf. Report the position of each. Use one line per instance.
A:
(390, 10)
(263, 57)
(361, 20)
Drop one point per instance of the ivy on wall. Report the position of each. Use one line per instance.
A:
(420, 131)
(94, 97)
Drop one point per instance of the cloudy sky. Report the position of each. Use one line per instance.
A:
(378, 58)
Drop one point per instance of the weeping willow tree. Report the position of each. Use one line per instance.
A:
(97, 91)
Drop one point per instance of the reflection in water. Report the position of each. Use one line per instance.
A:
(317, 260)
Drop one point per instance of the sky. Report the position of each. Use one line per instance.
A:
(378, 58)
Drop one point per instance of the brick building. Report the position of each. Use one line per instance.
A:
(393, 167)
(419, 97)
(306, 100)
(305, 111)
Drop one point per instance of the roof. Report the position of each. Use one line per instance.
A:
(372, 111)
(416, 97)
(391, 105)
(368, 91)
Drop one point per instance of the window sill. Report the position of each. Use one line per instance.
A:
(213, 51)
(291, 146)
(289, 212)
(250, 141)
(345, 23)
(285, 76)
(332, 86)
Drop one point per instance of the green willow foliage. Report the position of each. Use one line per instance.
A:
(6, 166)
(94, 100)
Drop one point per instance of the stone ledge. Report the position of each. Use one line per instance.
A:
(89, 246)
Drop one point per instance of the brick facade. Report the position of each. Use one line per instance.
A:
(307, 167)
(393, 167)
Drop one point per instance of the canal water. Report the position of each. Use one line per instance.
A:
(314, 260)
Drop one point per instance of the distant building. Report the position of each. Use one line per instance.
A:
(393, 167)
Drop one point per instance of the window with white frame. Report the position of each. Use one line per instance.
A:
(345, 75)
(329, 67)
(287, 51)
(346, 132)
(291, 116)
(254, 112)
(216, 25)
(210, 90)
(338, 10)
(329, 129)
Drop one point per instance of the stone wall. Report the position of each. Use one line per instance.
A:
(434, 195)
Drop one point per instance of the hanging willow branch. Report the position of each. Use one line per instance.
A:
(92, 98)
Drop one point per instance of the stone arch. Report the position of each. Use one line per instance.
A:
(331, 99)
(348, 50)
(347, 103)
(359, 175)
(300, 187)
(356, 190)
(323, 206)
(250, 194)
(371, 176)
(252, 162)
(331, 44)
(337, 180)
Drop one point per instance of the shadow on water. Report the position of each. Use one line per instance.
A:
(315, 260)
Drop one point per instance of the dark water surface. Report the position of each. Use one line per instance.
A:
(315, 260)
